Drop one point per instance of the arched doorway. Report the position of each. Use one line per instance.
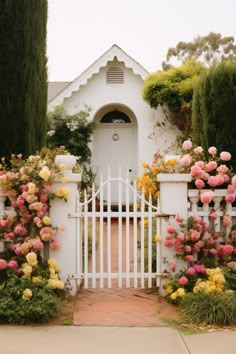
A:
(115, 143)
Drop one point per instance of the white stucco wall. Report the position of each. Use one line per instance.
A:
(152, 135)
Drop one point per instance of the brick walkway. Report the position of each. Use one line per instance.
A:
(121, 307)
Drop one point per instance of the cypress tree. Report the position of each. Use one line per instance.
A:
(214, 109)
(23, 76)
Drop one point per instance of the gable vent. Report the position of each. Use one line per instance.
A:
(115, 76)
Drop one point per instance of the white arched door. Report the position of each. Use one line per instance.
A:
(115, 149)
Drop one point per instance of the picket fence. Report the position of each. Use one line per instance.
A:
(175, 198)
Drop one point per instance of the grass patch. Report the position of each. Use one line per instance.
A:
(68, 322)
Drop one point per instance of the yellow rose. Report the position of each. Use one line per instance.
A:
(55, 284)
(180, 292)
(62, 167)
(32, 258)
(46, 220)
(45, 173)
(168, 290)
(173, 296)
(64, 179)
(158, 238)
(31, 188)
(37, 279)
(27, 294)
(27, 270)
(31, 198)
(60, 284)
(52, 263)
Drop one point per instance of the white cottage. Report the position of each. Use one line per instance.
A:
(128, 131)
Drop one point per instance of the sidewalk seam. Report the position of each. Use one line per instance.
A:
(184, 342)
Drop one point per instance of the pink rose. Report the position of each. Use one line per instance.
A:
(234, 181)
(12, 264)
(200, 268)
(210, 166)
(187, 144)
(37, 244)
(197, 219)
(199, 184)
(9, 235)
(186, 160)
(3, 264)
(183, 280)
(47, 233)
(206, 197)
(228, 249)
(191, 271)
(230, 189)
(168, 243)
(62, 147)
(230, 198)
(212, 150)
(195, 171)
(220, 180)
(213, 216)
(213, 251)
(195, 235)
(205, 225)
(20, 230)
(200, 164)
(226, 178)
(227, 221)
(180, 236)
(189, 258)
(54, 245)
(188, 249)
(222, 169)
(225, 156)
(170, 229)
(198, 150)
(16, 249)
(178, 218)
(173, 267)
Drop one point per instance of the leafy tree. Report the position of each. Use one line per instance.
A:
(23, 75)
(74, 132)
(214, 108)
(209, 49)
(174, 89)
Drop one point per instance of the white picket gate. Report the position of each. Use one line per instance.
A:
(117, 246)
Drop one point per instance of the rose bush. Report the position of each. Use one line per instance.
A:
(27, 230)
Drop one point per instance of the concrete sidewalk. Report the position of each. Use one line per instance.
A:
(111, 340)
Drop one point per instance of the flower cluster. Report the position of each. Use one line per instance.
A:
(215, 282)
(208, 169)
(28, 228)
(148, 181)
(195, 241)
(178, 284)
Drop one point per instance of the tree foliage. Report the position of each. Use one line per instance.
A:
(23, 75)
(174, 89)
(209, 49)
(214, 108)
(74, 132)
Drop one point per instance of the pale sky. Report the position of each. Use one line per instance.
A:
(80, 31)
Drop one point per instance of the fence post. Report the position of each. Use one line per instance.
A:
(66, 255)
(173, 201)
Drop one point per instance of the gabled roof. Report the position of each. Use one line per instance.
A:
(109, 55)
(56, 87)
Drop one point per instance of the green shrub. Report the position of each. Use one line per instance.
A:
(217, 308)
(40, 307)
